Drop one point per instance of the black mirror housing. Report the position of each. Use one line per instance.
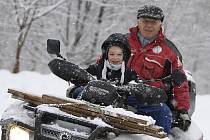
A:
(53, 46)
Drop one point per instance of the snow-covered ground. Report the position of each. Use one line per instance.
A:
(50, 84)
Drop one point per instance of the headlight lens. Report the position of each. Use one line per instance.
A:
(19, 133)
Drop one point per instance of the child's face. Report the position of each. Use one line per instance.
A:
(115, 55)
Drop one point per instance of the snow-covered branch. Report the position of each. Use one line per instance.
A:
(45, 10)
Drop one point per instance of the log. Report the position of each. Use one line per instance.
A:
(86, 109)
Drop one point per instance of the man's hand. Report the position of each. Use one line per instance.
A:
(184, 120)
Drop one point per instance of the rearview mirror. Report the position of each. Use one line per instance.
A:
(53, 46)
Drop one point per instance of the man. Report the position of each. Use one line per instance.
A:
(155, 57)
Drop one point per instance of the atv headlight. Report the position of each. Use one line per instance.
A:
(19, 133)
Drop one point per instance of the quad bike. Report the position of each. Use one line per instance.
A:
(52, 118)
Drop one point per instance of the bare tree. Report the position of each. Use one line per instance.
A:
(79, 24)
(26, 13)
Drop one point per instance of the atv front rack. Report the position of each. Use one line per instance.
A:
(49, 124)
(120, 122)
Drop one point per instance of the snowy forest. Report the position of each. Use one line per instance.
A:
(82, 26)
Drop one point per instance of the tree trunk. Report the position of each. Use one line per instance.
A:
(21, 41)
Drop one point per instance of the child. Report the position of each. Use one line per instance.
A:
(112, 66)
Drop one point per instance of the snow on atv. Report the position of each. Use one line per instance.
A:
(96, 116)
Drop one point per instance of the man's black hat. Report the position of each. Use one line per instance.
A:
(150, 11)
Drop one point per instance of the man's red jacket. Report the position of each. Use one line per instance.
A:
(157, 59)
